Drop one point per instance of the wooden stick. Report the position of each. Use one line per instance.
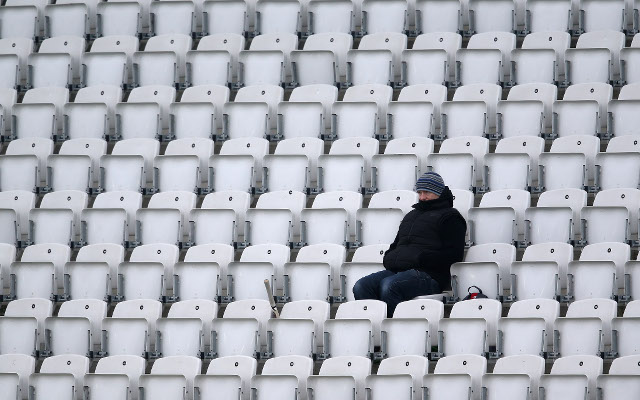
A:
(267, 286)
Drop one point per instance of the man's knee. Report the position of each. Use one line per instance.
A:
(388, 290)
(361, 290)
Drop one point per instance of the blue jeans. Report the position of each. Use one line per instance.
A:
(395, 287)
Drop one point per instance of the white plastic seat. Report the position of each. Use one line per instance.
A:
(70, 19)
(346, 166)
(560, 253)
(227, 210)
(372, 310)
(181, 200)
(261, 67)
(129, 330)
(478, 104)
(111, 254)
(516, 366)
(370, 220)
(576, 154)
(596, 58)
(171, 376)
(216, 95)
(122, 205)
(401, 375)
(384, 179)
(232, 43)
(283, 377)
(110, 60)
(615, 217)
(528, 95)
(41, 100)
(591, 279)
(488, 16)
(31, 312)
(61, 376)
(159, 96)
(541, 58)
(614, 386)
(377, 93)
(457, 376)
(262, 95)
(547, 309)
(434, 94)
(302, 320)
(544, 16)
(611, 169)
(224, 17)
(619, 253)
(208, 67)
(509, 206)
(311, 101)
(507, 171)
(162, 62)
(487, 309)
(242, 330)
(226, 376)
(70, 335)
(56, 254)
(277, 255)
(130, 165)
(172, 17)
(235, 168)
(179, 337)
(323, 59)
(275, 17)
(486, 59)
(340, 377)
(103, 94)
(44, 125)
(604, 309)
(131, 276)
(119, 19)
(572, 377)
(88, 280)
(197, 280)
(93, 148)
(598, 15)
(166, 254)
(523, 336)
(500, 254)
(53, 225)
(14, 53)
(159, 226)
(20, 21)
(15, 369)
(123, 366)
(235, 337)
(380, 16)
(20, 173)
(460, 160)
(17, 204)
(377, 60)
(352, 333)
(440, 16)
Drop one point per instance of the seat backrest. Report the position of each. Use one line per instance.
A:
(561, 253)
(473, 365)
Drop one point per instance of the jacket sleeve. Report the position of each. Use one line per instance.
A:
(452, 231)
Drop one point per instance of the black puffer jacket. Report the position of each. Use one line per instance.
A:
(430, 238)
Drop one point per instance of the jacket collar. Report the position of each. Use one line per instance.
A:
(444, 201)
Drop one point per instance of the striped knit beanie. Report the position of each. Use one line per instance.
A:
(430, 182)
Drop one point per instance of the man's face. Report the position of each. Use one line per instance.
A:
(426, 196)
